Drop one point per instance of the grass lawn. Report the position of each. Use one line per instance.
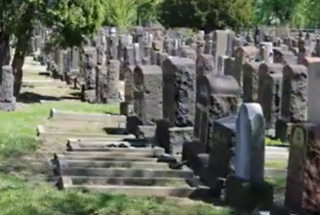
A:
(24, 192)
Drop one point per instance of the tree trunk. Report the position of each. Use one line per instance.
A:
(23, 35)
(17, 63)
(4, 49)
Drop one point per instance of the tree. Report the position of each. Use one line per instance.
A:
(206, 14)
(121, 13)
(268, 11)
(71, 21)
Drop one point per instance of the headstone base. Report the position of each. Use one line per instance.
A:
(242, 195)
(7, 106)
(283, 130)
(126, 109)
(89, 96)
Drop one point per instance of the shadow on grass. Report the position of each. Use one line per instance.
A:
(30, 98)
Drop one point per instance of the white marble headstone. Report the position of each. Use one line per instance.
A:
(250, 143)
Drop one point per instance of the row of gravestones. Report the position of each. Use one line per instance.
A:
(209, 150)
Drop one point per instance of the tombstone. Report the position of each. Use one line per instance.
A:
(7, 99)
(204, 64)
(284, 57)
(101, 83)
(269, 92)
(137, 54)
(112, 92)
(313, 65)
(148, 93)
(249, 162)
(74, 64)
(250, 82)
(179, 77)
(229, 68)
(221, 64)
(302, 187)
(266, 52)
(189, 52)
(220, 153)
(89, 60)
(243, 55)
(219, 44)
(208, 45)
(293, 100)
(217, 97)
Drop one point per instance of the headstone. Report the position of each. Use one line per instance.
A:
(7, 99)
(293, 99)
(112, 92)
(269, 92)
(246, 189)
(217, 97)
(179, 77)
(204, 64)
(219, 45)
(148, 93)
(284, 57)
(250, 82)
(302, 187)
(313, 65)
(243, 55)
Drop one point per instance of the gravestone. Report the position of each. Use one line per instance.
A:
(148, 93)
(284, 57)
(303, 184)
(7, 99)
(179, 89)
(217, 97)
(247, 189)
(293, 99)
(220, 154)
(204, 64)
(89, 60)
(269, 92)
(250, 82)
(220, 41)
(112, 92)
(242, 55)
(313, 65)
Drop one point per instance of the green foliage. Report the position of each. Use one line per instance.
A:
(72, 20)
(206, 14)
(148, 10)
(121, 13)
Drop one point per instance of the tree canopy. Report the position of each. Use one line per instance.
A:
(206, 14)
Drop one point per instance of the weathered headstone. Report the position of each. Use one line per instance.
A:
(243, 55)
(217, 97)
(269, 92)
(204, 64)
(7, 99)
(313, 65)
(293, 99)
(302, 187)
(247, 189)
(250, 82)
(148, 93)
(179, 90)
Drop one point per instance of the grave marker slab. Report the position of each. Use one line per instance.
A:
(293, 99)
(250, 83)
(179, 77)
(269, 92)
(148, 93)
(246, 189)
(302, 187)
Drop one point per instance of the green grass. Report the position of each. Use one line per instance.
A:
(276, 164)
(24, 192)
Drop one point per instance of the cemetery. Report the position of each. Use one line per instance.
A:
(157, 118)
